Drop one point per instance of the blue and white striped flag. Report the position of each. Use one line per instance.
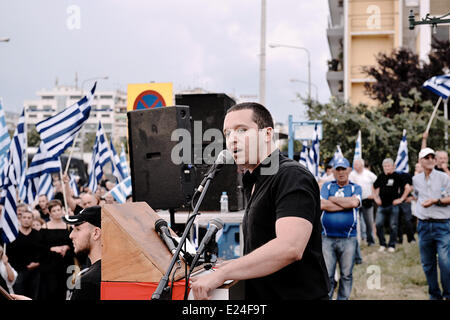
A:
(439, 85)
(17, 155)
(304, 154)
(58, 132)
(307, 158)
(314, 153)
(46, 186)
(9, 223)
(101, 155)
(124, 162)
(36, 181)
(73, 186)
(116, 164)
(401, 163)
(358, 148)
(122, 190)
(337, 155)
(4, 136)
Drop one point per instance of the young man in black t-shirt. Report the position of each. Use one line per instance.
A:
(388, 198)
(282, 233)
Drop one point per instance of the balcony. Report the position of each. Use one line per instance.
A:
(335, 36)
(336, 11)
(335, 81)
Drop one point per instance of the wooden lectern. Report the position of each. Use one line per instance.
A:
(134, 258)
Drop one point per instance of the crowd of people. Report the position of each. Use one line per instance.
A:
(296, 231)
(404, 204)
(41, 263)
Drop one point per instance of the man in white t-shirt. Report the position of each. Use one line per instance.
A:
(365, 178)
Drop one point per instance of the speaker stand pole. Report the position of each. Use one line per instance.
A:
(172, 218)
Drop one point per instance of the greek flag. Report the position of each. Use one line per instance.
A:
(4, 136)
(46, 186)
(117, 166)
(401, 163)
(314, 153)
(9, 224)
(122, 190)
(124, 162)
(439, 85)
(337, 155)
(73, 186)
(304, 154)
(17, 157)
(38, 178)
(101, 155)
(307, 158)
(58, 132)
(358, 148)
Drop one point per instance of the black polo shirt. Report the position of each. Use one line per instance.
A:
(290, 191)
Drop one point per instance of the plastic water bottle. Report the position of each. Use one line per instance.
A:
(224, 202)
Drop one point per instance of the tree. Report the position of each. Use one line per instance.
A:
(380, 133)
(399, 72)
(33, 137)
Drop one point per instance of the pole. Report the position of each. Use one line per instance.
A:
(291, 139)
(262, 56)
(446, 126)
(63, 187)
(433, 114)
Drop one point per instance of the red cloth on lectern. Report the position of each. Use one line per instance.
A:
(112, 290)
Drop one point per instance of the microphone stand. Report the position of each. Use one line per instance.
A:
(163, 290)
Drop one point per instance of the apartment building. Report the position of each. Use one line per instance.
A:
(358, 30)
(109, 107)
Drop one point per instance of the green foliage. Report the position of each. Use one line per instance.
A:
(33, 137)
(380, 134)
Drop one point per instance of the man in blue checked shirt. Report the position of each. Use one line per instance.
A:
(340, 200)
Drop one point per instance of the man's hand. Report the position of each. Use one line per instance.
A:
(202, 286)
(377, 201)
(397, 201)
(32, 265)
(19, 297)
(429, 203)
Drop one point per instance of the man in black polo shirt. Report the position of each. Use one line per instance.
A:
(282, 233)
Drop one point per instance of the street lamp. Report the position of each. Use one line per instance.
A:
(274, 45)
(315, 86)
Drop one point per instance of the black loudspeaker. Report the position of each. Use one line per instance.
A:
(209, 110)
(156, 178)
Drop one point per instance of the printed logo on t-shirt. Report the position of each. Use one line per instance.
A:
(390, 183)
(340, 193)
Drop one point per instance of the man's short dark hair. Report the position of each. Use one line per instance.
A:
(261, 116)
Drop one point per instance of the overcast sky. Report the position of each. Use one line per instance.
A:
(213, 44)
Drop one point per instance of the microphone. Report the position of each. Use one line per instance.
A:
(223, 158)
(164, 233)
(214, 225)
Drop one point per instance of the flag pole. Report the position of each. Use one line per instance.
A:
(71, 152)
(63, 186)
(111, 156)
(433, 114)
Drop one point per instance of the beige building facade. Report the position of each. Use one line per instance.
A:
(358, 30)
